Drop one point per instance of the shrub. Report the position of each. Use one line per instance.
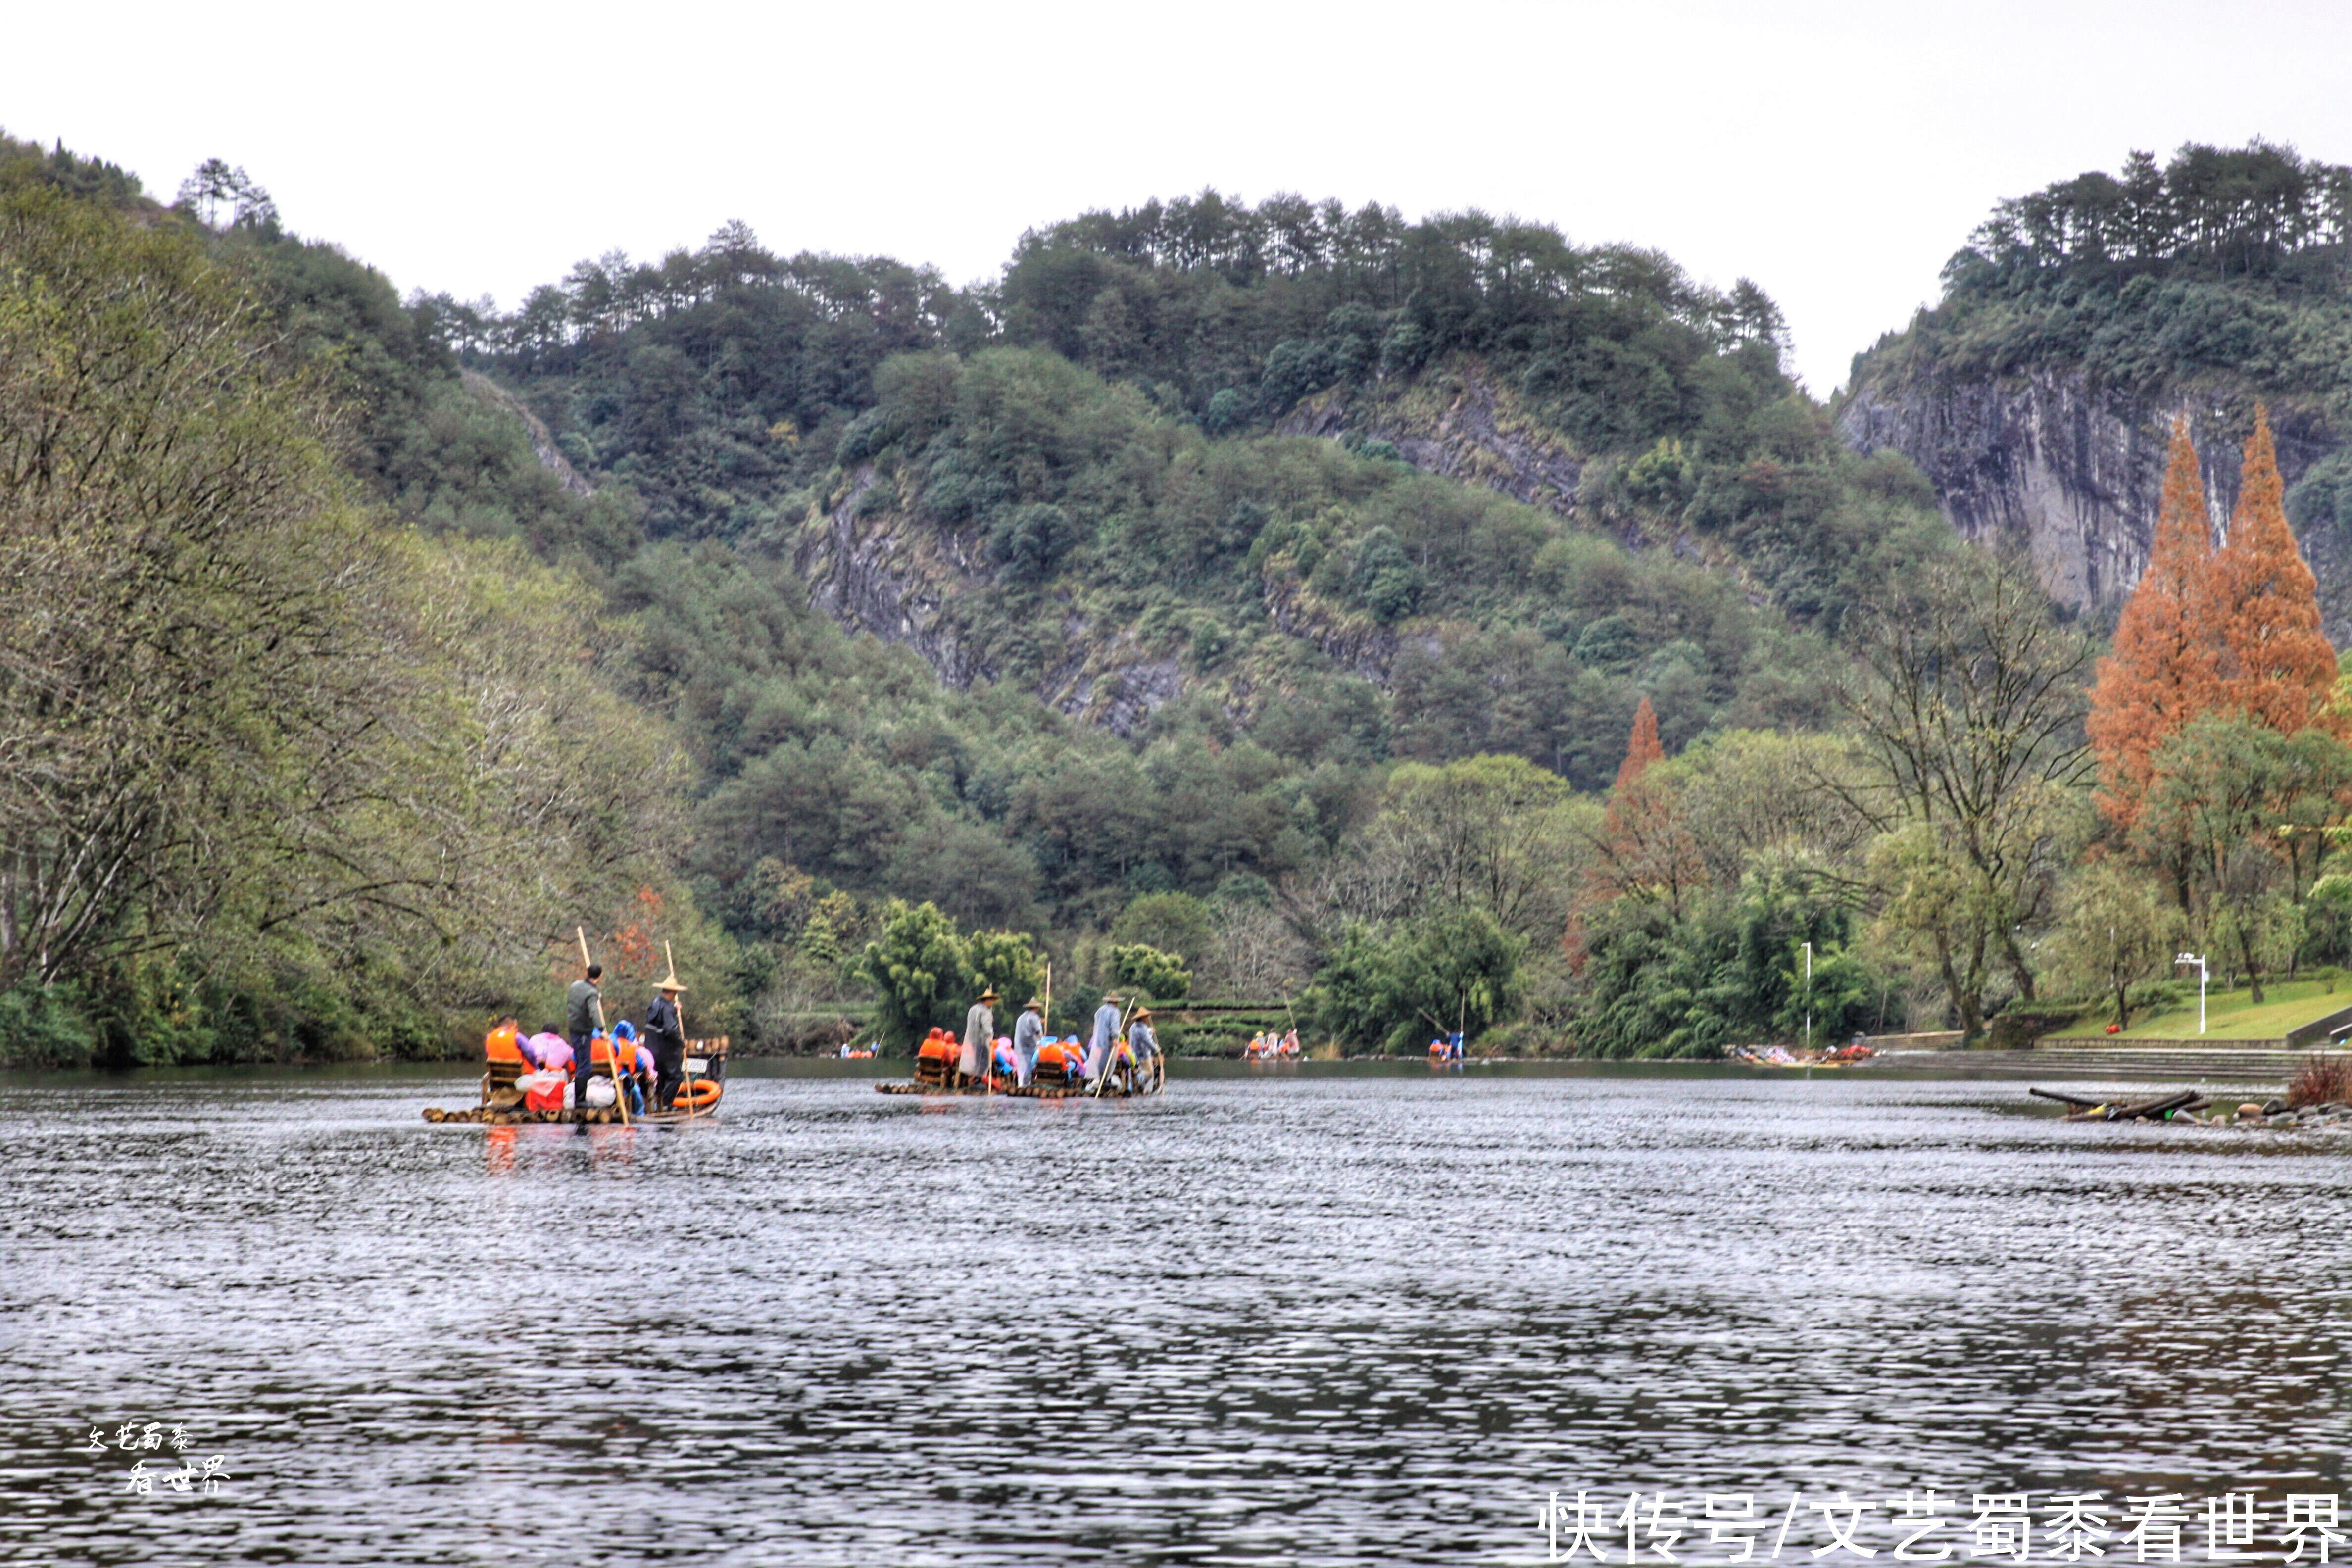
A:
(2321, 1081)
(41, 1027)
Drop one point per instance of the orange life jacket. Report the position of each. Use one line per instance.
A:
(600, 1055)
(499, 1044)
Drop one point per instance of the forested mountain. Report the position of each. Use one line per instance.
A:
(1251, 599)
(283, 777)
(2038, 393)
(1088, 484)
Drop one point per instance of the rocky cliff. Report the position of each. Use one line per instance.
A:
(870, 568)
(1457, 423)
(2073, 472)
(872, 572)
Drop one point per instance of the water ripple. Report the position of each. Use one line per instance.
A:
(1316, 1318)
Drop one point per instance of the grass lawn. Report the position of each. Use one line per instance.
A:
(2231, 1016)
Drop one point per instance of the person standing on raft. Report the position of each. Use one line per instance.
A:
(1106, 1035)
(1140, 1040)
(980, 1036)
(1028, 1035)
(584, 1020)
(666, 1035)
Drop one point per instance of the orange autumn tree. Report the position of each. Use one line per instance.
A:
(629, 948)
(1643, 847)
(2275, 663)
(1642, 747)
(2165, 670)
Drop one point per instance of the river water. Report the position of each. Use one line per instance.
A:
(1320, 1316)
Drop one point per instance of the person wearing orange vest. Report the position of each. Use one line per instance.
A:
(503, 1043)
(636, 1070)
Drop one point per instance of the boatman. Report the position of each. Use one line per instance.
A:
(1142, 1042)
(1106, 1035)
(666, 1032)
(584, 1020)
(980, 1036)
(1028, 1035)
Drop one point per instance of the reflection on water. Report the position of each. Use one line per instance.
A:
(1307, 1317)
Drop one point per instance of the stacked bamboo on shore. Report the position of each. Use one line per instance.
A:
(2180, 1102)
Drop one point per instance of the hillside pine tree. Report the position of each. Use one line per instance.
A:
(2165, 670)
(2276, 665)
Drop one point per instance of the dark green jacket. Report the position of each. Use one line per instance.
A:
(583, 1009)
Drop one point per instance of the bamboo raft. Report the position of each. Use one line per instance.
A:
(593, 1116)
(1035, 1092)
(501, 1103)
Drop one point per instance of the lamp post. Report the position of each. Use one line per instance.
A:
(1809, 995)
(2199, 960)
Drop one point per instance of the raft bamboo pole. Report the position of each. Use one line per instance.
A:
(612, 1047)
(675, 1007)
(1111, 1055)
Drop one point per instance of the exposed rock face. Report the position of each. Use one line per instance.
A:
(871, 567)
(2073, 472)
(1456, 425)
(893, 581)
(868, 568)
(1352, 643)
(542, 444)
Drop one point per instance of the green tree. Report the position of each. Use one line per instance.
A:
(1010, 962)
(1456, 969)
(1161, 977)
(1177, 924)
(1728, 968)
(2116, 929)
(921, 971)
(1968, 710)
(2255, 806)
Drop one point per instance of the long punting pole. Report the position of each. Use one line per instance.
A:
(612, 1051)
(681, 1031)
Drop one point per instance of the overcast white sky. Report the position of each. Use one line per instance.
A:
(1836, 153)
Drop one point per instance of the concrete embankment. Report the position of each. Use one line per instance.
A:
(2186, 1064)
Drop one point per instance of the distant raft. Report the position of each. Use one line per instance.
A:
(1782, 1056)
(1060, 1075)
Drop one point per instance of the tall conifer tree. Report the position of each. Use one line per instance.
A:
(2164, 671)
(1642, 747)
(1645, 847)
(2276, 665)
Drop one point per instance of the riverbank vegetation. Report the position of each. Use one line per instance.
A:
(1405, 626)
